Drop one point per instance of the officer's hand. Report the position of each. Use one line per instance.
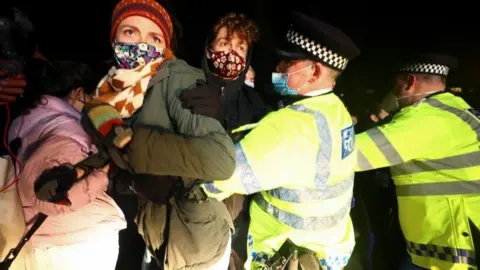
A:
(203, 99)
(11, 87)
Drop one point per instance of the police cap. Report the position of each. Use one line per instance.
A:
(433, 64)
(309, 38)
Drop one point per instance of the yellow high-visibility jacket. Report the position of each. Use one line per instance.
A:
(433, 151)
(300, 161)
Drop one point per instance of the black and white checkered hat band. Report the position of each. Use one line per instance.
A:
(323, 53)
(427, 68)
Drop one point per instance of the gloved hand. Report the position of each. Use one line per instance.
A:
(204, 99)
(105, 126)
(104, 122)
(53, 184)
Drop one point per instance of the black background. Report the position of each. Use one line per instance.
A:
(79, 30)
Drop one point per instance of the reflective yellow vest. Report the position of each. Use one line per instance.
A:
(300, 161)
(432, 148)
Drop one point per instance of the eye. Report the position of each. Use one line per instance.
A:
(129, 32)
(223, 43)
(157, 40)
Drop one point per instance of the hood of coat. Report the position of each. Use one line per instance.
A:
(237, 83)
(51, 117)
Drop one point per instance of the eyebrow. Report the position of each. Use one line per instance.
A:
(156, 34)
(129, 26)
(137, 29)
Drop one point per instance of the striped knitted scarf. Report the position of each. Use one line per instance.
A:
(125, 89)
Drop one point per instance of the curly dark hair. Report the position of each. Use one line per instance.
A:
(240, 25)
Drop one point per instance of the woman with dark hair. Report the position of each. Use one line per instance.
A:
(83, 235)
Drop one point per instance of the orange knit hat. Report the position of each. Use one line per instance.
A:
(149, 9)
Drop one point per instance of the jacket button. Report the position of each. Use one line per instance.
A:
(465, 234)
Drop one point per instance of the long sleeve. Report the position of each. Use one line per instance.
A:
(163, 153)
(405, 138)
(269, 157)
(198, 148)
(54, 152)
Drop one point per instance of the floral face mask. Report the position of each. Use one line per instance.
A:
(227, 64)
(133, 55)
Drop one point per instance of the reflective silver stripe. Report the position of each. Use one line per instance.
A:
(443, 188)
(325, 151)
(449, 163)
(210, 187)
(384, 145)
(323, 167)
(466, 117)
(302, 223)
(245, 172)
(308, 195)
(322, 190)
(363, 162)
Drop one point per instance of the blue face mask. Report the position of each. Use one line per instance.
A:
(280, 83)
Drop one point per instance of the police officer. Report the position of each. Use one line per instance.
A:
(300, 160)
(432, 148)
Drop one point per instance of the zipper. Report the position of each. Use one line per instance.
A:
(224, 105)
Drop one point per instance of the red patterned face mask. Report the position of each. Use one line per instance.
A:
(227, 64)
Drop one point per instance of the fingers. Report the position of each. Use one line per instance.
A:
(7, 98)
(11, 88)
(14, 82)
(80, 172)
(9, 95)
(106, 168)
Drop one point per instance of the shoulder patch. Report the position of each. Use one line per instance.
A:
(348, 141)
(474, 112)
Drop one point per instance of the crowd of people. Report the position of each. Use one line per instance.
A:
(198, 163)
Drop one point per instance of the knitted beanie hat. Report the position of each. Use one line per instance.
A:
(149, 9)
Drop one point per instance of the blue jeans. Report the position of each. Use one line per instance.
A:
(408, 265)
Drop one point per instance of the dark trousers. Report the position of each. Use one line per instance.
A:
(130, 241)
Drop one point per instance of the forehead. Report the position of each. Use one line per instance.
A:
(223, 34)
(400, 77)
(142, 23)
(293, 63)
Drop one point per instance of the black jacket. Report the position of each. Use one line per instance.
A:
(240, 104)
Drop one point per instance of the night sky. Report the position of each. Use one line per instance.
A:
(79, 30)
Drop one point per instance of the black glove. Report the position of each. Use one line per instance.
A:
(53, 184)
(204, 99)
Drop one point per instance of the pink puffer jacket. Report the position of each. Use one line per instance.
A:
(51, 135)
